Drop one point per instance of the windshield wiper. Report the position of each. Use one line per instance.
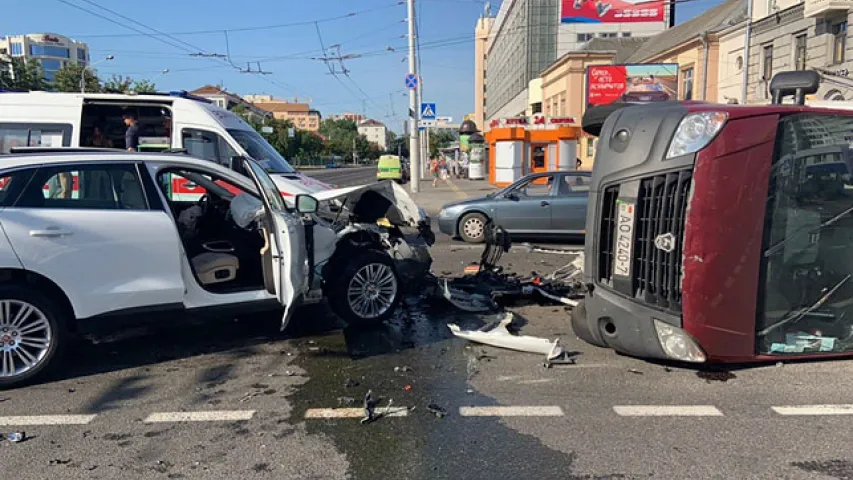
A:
(775, 248)
(796, 316)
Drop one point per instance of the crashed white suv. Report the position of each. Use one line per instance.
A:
(92, 237)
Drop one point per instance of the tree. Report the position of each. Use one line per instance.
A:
(67, 79)
(439, 139)
(399, 144)
(17, 74)
(117, 84)
(144, 86)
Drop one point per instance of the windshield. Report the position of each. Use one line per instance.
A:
(261, 151)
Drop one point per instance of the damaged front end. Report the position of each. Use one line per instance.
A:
(379, 217)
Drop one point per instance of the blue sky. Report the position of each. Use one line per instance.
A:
(375, 82)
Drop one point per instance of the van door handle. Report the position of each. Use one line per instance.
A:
(50, 232)
(544, 203)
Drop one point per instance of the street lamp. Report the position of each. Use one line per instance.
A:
(83, 72)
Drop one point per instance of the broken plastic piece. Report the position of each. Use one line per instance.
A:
(436, 410)
(469, 302)
(16, 437)
(500, 336)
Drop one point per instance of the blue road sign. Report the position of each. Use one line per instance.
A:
(428, 111)
(411, 81)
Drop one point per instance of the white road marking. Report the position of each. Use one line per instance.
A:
(528, 411)
(210, 416)
(814, 410)
(34, 420)
(667, 411)
(354, 412)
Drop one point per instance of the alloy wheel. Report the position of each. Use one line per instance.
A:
(25, 337)
(372, 290)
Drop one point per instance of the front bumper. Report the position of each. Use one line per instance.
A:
(606, 319)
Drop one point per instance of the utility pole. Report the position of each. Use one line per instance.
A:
(354, 153)
(414, 108)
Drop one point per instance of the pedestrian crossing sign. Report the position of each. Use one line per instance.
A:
(428, 111)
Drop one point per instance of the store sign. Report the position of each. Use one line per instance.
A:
(542, 120)
(50, 39)
(537, 121)
(612, 11)
(631, 83)
(509, 122)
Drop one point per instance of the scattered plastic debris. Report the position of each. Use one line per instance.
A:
(60, 461)
(370, 404)
(350, 383)
(436, 410)
(407, 388)
(635, 371)
(16, 437)
(404, 368)
(346, 401)
(500, 336)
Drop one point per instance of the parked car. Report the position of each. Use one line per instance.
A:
(540, 205)
(92, 236)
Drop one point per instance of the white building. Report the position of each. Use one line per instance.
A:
(52, 51)
(376, 133)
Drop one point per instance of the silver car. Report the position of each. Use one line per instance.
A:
(540, 205)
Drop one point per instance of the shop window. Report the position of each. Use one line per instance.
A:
(590, 147)
(800, 51)
(806, 282)
(687, 83)
(839, 42)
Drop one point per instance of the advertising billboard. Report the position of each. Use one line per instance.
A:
(631, 83)
(612, 11)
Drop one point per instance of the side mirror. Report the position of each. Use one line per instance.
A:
(306, 204)
(511, 195)
(236, 164)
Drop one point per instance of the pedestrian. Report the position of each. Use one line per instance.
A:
(454, 167)
(442, 165)
(433, 167)
(578, 164)
(131, 135)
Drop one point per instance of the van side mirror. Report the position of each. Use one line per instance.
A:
(236, 164)
(306, 204)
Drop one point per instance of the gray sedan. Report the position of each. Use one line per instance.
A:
(540, 205)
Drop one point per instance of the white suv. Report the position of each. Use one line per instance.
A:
(92, 236)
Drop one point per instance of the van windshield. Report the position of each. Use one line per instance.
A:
(261, 151)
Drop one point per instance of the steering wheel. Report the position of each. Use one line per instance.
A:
(204, 203)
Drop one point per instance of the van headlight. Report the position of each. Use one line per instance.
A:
(677, 344)
(695, 132)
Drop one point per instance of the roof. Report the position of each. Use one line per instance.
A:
(211, 90)
(283, 106)
(714, 20)
(622, 47)
(371, 123)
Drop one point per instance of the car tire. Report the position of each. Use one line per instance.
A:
(45, 312)
(470, 225)
(367, 290)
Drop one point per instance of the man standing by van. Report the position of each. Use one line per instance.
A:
(131, 135)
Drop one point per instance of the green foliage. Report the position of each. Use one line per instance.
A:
(16, 74)
(144, 86)
(67, 79)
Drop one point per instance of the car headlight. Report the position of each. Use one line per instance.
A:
(677, 344)
(695, 132)
(442, 213)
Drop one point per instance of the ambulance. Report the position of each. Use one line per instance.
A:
(167, 121)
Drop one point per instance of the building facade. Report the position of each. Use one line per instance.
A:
(50, 50)
(523, 42)
(481, 46)
(577, 28)
(301, 115)
(375, 132)
(796, 35)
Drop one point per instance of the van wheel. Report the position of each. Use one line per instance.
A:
(32, 334)
(472, 227)
(367, 291)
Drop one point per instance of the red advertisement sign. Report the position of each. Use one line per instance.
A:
(612, 11)
(631, 83)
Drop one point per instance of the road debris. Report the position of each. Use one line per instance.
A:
(635, 371)
(350, 383)
(404, 368)
(15, 437)
(370, 404)
(346, 401)
(436, 410)
(500, 336)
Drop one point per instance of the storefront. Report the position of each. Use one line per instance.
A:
(520, 146)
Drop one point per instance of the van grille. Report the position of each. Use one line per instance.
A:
(660, 215)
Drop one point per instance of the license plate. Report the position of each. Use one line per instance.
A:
(624, 239)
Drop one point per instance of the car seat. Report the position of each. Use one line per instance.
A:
(212, 268)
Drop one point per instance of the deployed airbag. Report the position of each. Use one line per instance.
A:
(246, 209)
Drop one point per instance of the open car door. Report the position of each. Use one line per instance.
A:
(285, 257)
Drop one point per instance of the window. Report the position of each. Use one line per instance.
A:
(49, 51)
(626, 34)
(537, 107)
(584, 37)
(687, 83)
(608, 35)
(839, 42)
(21, 135)
(207, 146)
(739, 63)
(537, 187)
(50, 67)
(100, 187)
(17, 48)
(590, 147)
(81, 56)
(800, 52)
(806, 261)
(767, 63)
(573, 183)
(11, 185)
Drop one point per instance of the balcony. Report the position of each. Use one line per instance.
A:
(819, 8)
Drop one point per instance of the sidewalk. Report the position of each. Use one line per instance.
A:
(432, 198)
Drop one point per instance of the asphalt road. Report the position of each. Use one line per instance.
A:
(240, 399)
(344, 177)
